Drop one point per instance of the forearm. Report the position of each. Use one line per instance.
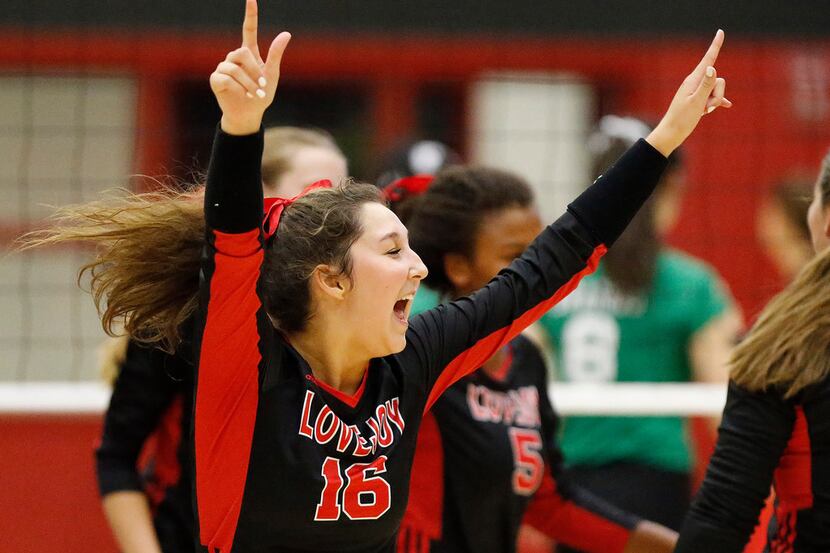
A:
(574, 517)
(711, 347)
(128, 514)
(546, 272)
(650, 537)
(233, 195)
(609, 204)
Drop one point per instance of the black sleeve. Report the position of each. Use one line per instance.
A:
(233, 195)
(454, 339)
(143, 391)
(755, 430)
(234, 339)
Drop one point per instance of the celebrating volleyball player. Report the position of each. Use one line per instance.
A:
(305, 434)
(490, 440)
(150, 410)
(776, 423)
(311, 380)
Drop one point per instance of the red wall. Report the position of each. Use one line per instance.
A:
(780, 121)
(49, 499)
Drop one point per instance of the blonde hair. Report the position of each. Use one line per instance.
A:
(144, 277)
(282, 143)
(112, 353)
(788, 348)
(789, 345)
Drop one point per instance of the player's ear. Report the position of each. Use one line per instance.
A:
(330, 282)
(459, 270)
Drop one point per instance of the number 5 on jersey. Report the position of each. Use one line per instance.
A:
(365, 496)
(529, 466)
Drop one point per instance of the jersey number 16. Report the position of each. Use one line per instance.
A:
(365, 495)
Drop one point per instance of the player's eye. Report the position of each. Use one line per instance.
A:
(394, 251)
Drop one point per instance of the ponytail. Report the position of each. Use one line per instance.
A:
(144, 277)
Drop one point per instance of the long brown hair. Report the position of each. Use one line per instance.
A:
(144, 277)
(788, 348)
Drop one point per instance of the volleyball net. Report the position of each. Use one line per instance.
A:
(626, 399)
(81, 113)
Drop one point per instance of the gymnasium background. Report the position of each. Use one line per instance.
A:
(94, 93)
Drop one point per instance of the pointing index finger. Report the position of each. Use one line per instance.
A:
(711, 55)
(249, 27)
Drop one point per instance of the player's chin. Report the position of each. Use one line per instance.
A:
(397, 343)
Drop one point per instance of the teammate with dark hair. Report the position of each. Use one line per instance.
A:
(490, 440)
(311, 379)
(776, 423)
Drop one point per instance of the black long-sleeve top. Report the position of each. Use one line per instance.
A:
(765, 439)
(490, 442)
(285, 463)
(148, 423)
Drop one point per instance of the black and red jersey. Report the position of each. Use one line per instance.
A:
(487, 458)
(145, 443)
(765, 439)
(284, 463)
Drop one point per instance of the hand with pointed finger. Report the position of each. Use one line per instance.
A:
(700, 93)
(244, 84)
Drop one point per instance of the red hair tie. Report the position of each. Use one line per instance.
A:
(406, 187)
(274, 207)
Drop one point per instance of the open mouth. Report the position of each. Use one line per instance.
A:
(401, 308)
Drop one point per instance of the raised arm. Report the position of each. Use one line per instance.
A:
(234, 324)
(455, 339)
(244, 86)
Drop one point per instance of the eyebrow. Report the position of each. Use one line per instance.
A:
(390, 236)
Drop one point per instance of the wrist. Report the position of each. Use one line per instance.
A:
(240, 127)
(664, 139)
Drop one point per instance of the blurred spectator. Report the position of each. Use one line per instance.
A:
(781, 226)
(422, 157)
(294, 157)
(649, 314)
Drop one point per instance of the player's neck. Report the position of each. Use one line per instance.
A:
(330, 358)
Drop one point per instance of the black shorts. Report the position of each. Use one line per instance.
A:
(653, 494)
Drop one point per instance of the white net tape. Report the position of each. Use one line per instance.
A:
(627, 399)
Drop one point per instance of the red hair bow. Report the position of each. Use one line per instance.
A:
(274, 207)
(407, 187)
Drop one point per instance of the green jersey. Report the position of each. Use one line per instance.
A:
(426, 298)
(601, 335)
